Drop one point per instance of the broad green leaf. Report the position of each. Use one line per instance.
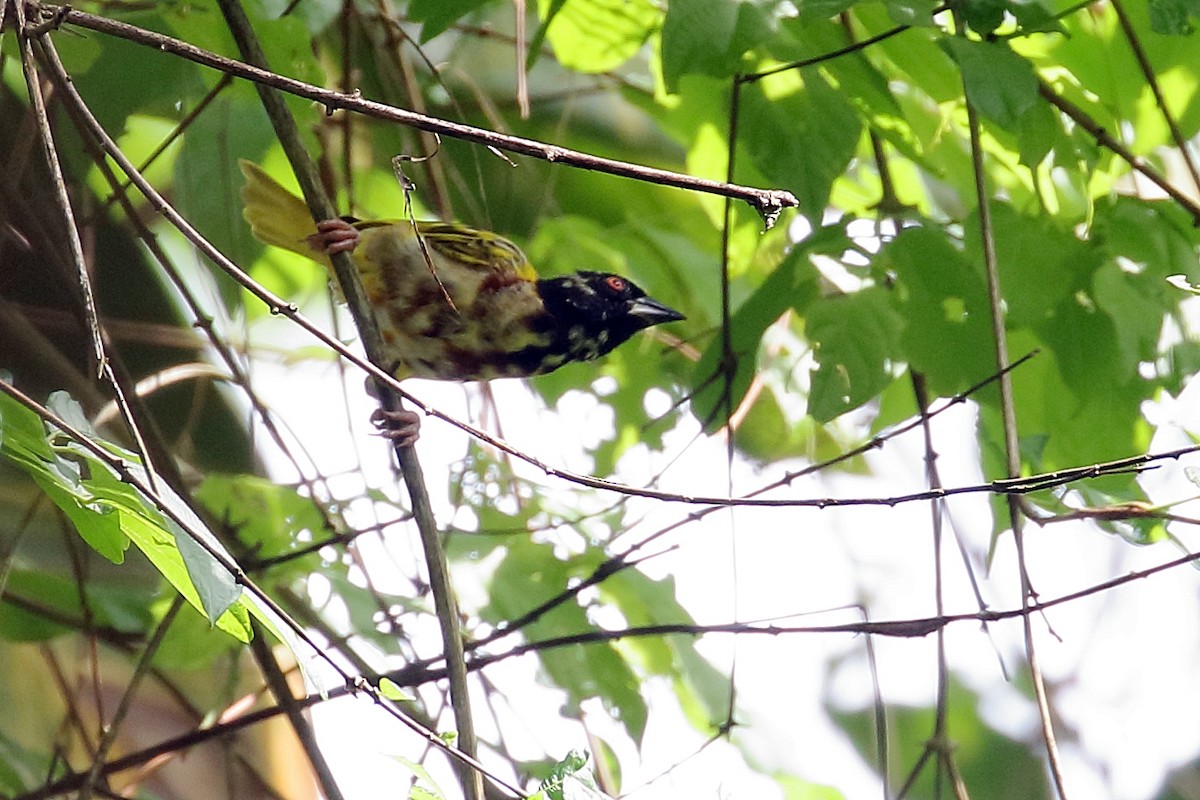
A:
(796, 788)
(436, 16)
(20, 767)
(854, 344)
(853, 75)
(270, 519)
(109, 513)
(1000, 83)
(979, 749)
(531, 574)
(947, 331)
(1174, 17)
(984, 16)
(192, 642)
(1039, 128)
(709, 37)
(38, 606)
(823, 9)
(911, 12)
(1039, 263)
(792, 285)
(599, 35)
(570, 779)
(391, 691)
(800, 138)
(702, 690)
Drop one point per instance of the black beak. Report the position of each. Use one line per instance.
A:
(651, 312)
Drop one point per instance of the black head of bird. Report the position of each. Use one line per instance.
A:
(593, 312)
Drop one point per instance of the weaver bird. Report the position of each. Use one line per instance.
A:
(476, 310)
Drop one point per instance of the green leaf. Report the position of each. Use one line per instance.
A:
(984, 16)
(1173, 17)
(20, 767)
(911, 12)
(1000, 83)
(531, 574)
(597, 35)
(570, 779)
(436, 16)
(796, 788)
(811, 10)
(40, 605)
(979, 749)
(853, 338)
(271, 520)
(1040, 264)
(109, 513)
(389, 689)
(946, 333)
(792, 285)
(800, 138)
(709, 37)
(1038, 130)
(701, 688)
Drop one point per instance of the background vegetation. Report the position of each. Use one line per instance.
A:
(975, 316)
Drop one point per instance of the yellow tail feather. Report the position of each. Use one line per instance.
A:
(277, 216)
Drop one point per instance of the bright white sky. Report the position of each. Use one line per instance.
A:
(1122, 668)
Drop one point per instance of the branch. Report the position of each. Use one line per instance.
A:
(1106, 139)
(364, 318)
(767, 202)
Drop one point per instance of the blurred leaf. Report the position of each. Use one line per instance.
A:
(946, 333)
(1000, 83)
(800, 139)
(853, 338)
(436, 16)
(709, 37)
(531, 574)
(792, 285)
(597, 35)
(1173, 17)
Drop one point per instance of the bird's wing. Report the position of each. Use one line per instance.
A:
(483, 250)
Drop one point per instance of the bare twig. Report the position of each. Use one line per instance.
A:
(364, 317)
(1008, 415)
(767, 202)
(1106, 139)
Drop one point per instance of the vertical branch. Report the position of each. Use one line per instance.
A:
(351, 286)
(282, 692)
(110, 730)
(1008, 415)
(36, 99)
(728, 372)
(940, 739)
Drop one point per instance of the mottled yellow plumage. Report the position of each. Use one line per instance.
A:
(501, 321)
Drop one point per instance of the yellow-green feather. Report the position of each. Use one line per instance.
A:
(278, 217)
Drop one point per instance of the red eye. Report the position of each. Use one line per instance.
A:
(615, 283)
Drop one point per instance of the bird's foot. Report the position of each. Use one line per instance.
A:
(401, 426)
(334, 236)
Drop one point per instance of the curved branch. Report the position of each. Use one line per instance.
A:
(767, 202)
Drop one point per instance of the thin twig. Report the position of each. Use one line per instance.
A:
(350, 282)
(1106, 139)
(282, 692)
(113, 726)
(1135, 44)
(1012, 451)
(767, 202)
(33, 84)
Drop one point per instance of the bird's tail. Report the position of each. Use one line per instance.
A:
(276, 216)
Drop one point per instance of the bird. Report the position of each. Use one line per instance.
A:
(453, 302)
